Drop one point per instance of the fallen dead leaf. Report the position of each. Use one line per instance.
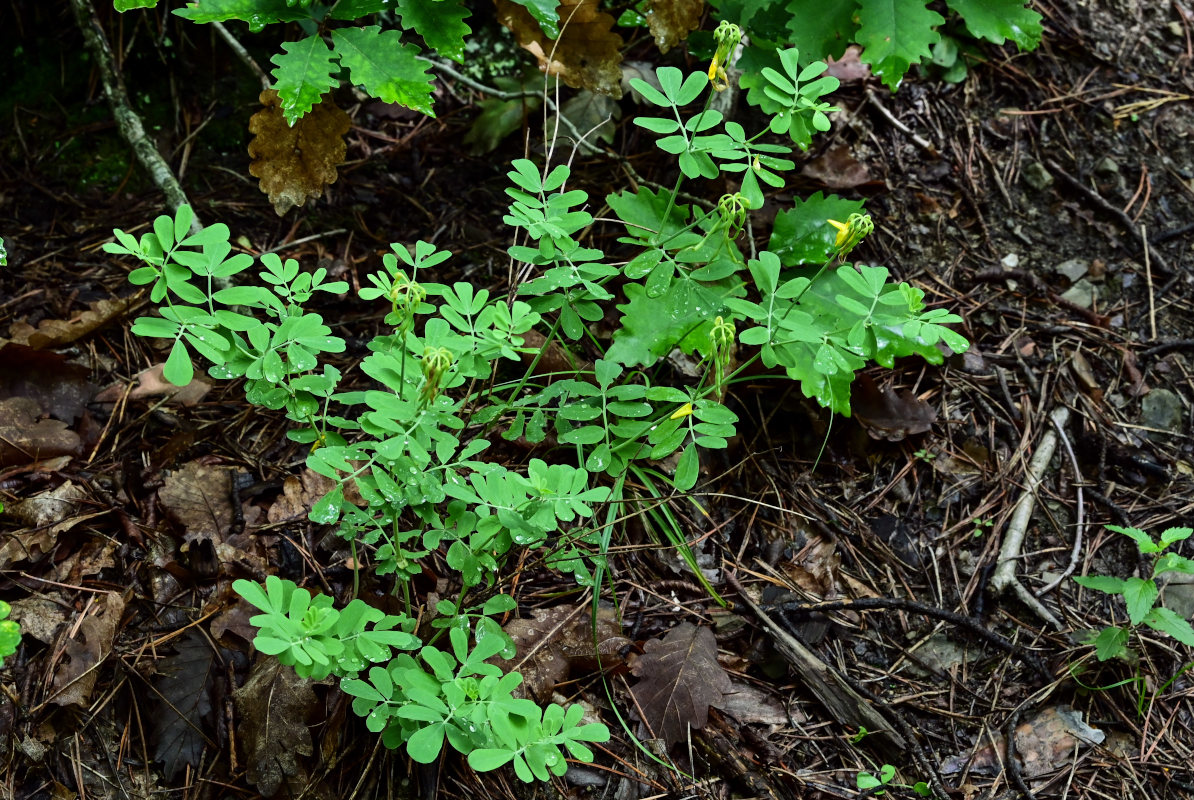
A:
(587, 53)
(74, 677)
(199, 497)
(849, 68)
(299, 493)
(888, 415)
(1044, 743)
(55, 332)
(39, 617)
(294, 163)
(555, 640)
(751, 705)
(837, 168)
(272, 707)
(680, 680)
(151, 383)
(671, 21)
(61, 389)
(183, 687)
(25, 437)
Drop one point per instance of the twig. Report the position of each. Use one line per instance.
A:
(127, 120)
(920, 141)
(1148, 279)
(1106, 207)
(1080, 525)
(242, 54)
(1013, 540)
(846, 705)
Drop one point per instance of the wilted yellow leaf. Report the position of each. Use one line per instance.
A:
(587, 54)
(672, 20)
(295, 163)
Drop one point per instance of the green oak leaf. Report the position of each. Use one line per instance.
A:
(999, 20)
(895, 34)
(441, 24)
(387, 69)
(803, 235)
(544, 12)
(303, 75)
(822, 32)
(257, 13)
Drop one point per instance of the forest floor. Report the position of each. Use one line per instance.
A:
(1048, 199)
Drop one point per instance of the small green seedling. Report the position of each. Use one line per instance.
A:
(1141, 594)
(981, 526)
(924, 455)
(872, 783)
(10, 632)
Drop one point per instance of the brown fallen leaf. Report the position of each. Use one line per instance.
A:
(557, 639)
(299, 493)
(183, 686)
(888, 415)
(199, 497)
(671, 21)
(61, 389)
(75, 676)
(1044, 743)
(272, 707)
(837, 168)
(293, 164)
(151, 383)
(58, 332)
(25, 437)
(587, 54)
(849, 68)
(680, 680)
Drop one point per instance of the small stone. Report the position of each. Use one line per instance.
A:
(1162, 409)
(1106, 166)
(1082, 293)
(1073, 269)
(1036, 176)
(1175, 28)
(1010, 261)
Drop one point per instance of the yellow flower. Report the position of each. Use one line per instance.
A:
(843, 232)
(683, 411)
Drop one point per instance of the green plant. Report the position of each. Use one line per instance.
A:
(894, 34)
(981, 526)
(869, 782)
(10, 632)
(1141, 594)
(448, 378)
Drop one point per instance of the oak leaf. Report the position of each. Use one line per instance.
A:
(273, 706)
(293, 164)
(75, 676)
(680, 680)
(587, 53)
(183, 686)
(671, 21)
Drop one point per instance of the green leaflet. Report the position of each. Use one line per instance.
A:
(388, 69)
(895, 34)
(997, 20)
(303, 75)
(126, 5)
(441, 24)
(544, 12)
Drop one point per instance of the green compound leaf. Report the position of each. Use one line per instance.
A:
(387, 69)
(895, 34)
(999, 20)
(258, 13)
(304, 73)
(544, 12)
(441, 24)
(820, 30)
(803, 235)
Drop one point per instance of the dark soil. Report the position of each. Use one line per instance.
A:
(1048, 199)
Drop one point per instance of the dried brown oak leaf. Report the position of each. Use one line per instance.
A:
(671, 21)
(555, 640)
(25, 437)
(273, 706)
(91, 643)
(58, 332)
(183, 687)
(295, 163)
(888, 415)
(587, 54)
(680, 680)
